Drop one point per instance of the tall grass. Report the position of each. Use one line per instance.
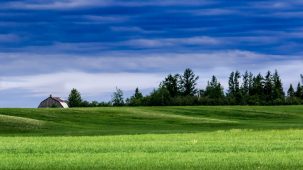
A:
(232, 149)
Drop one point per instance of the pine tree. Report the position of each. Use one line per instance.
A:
(237, 87)
(234, 92)
(214, 90)
(245, 84)
(171, 84)
(245, 87)
(74, 98)
(188, 83)
(299, 92)
(268, 87)
(231, 84)
(278, 92)
(250, 82)
(138, 94)
(136, 99)
(257, 89)
(291, 91)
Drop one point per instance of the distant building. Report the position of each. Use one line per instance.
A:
(53, 102)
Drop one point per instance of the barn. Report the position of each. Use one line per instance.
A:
(53, 102)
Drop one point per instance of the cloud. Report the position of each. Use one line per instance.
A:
(23, 63)
(31, 78)
(135, 25)
(94, 84)
(167, 42)
(89, 84)
(134, 29)
(213, 11)
(55, 4)
(76, 4)
(277, 5)
(96, 47)
(60, 38)
(110, 19)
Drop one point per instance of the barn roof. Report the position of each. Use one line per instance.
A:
(58, 99)
(62, 102)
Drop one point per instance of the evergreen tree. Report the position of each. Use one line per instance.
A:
(245, 86)
(278, 92)
(257, 89)
(136, 99)
(181, 90)
(214, 90)
(268, 87)
(171, 84)
(138, 94)
(236, 80)
(299, 92)
(188, 82)
(74, 98)
(117, 98)
(250, 82)
(291, 91)
(291, 96)
(234, 92)
(231, 84)
(237, 87)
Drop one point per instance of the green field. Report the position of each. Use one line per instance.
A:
(217, 137)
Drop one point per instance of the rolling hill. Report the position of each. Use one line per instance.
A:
(200, 137)
(140, 120)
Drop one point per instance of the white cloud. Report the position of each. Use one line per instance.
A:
(102, 74)
(96, 84)
(166, 42)
(90, 84)
(57, 5)
(74, 4)
(20, 64)
(16, 64)
(277, 5)
(214, 11)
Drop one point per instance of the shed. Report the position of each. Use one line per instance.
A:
(53, 102)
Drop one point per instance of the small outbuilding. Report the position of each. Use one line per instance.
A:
(51, 101)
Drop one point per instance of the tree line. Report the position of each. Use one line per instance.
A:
(181, 89)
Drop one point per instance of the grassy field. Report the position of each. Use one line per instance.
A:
(218, 137)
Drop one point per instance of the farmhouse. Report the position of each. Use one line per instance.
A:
(53, 102)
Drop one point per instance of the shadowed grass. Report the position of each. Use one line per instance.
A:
(141, 120)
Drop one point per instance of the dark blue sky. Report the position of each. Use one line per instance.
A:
(51, 46)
